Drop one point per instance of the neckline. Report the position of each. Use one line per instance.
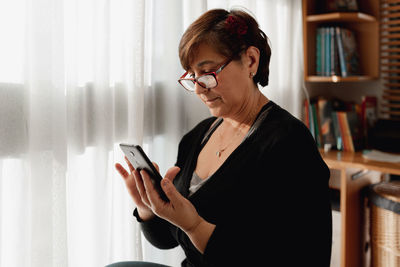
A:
(214, 125)
(218, 121)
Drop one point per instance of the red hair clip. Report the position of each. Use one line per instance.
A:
(236, 26)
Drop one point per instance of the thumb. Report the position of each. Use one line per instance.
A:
(171, 173)
(156, 166)
(170, 190)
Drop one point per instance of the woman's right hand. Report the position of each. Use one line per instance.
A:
(132, 181)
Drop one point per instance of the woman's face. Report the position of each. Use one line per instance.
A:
(234, 88)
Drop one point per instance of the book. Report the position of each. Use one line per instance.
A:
(354, 123)
(350, 130)
(318, 53)
(337, 124)
(336, 62)
(342, 62)
(336, 129)
(336, 52)
(327, 52)
(350, 53)
(316, 125)
(323, 51)
(325, 120)
(345, 131)
(332, 51)
(369, 115)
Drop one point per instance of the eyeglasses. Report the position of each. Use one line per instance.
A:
(208, 80)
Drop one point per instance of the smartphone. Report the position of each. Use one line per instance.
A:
(140, 161)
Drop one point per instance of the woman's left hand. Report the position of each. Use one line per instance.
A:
(179, 211)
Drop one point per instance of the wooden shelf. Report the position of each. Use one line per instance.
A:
(366, 28)
(336, 79)
(365, 25)
(344, 159)
(341, 17)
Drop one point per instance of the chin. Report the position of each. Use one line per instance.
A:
(216, 112)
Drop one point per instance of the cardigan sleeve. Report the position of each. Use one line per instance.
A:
(282, 211)
(157, 231)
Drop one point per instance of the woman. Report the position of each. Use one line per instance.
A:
(249, 187)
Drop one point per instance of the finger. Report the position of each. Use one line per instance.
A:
(169, 189)
(140, 187)
(171, 173)
(156, 166)
(121, 171)
(151, 192)
(131, 168)
(133, 190)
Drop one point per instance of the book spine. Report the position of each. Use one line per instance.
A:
(323, 52)
(354, 121)
(324, 107)
(332, 50)
(346, 134)
(336, 53)
(342, 130)
(342, 61)
(327, 52)
(336, 128)
(349, 135)
(318, 60)
(368, 114)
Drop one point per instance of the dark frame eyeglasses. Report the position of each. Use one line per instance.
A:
(208, 80)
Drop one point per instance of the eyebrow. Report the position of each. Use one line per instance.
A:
(205, 62)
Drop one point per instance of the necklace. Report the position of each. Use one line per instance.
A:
(219, 152)
(260, 102)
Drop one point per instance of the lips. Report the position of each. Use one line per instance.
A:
(211, 100)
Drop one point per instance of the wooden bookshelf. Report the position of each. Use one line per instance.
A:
(343, 159)
(341, 17)
(336, 79)
(365, 25)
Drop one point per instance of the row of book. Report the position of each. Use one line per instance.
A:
(336, 52)
(338, 124)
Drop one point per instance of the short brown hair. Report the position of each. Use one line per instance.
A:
(230, 33)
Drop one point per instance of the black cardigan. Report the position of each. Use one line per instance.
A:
(269, 200)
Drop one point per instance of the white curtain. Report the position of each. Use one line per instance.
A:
(77, 77)
(281, 22)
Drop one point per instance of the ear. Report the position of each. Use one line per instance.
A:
(252, 59)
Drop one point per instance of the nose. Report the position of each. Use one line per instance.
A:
(199, 89)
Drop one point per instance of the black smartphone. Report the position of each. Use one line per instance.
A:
(140, 161)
